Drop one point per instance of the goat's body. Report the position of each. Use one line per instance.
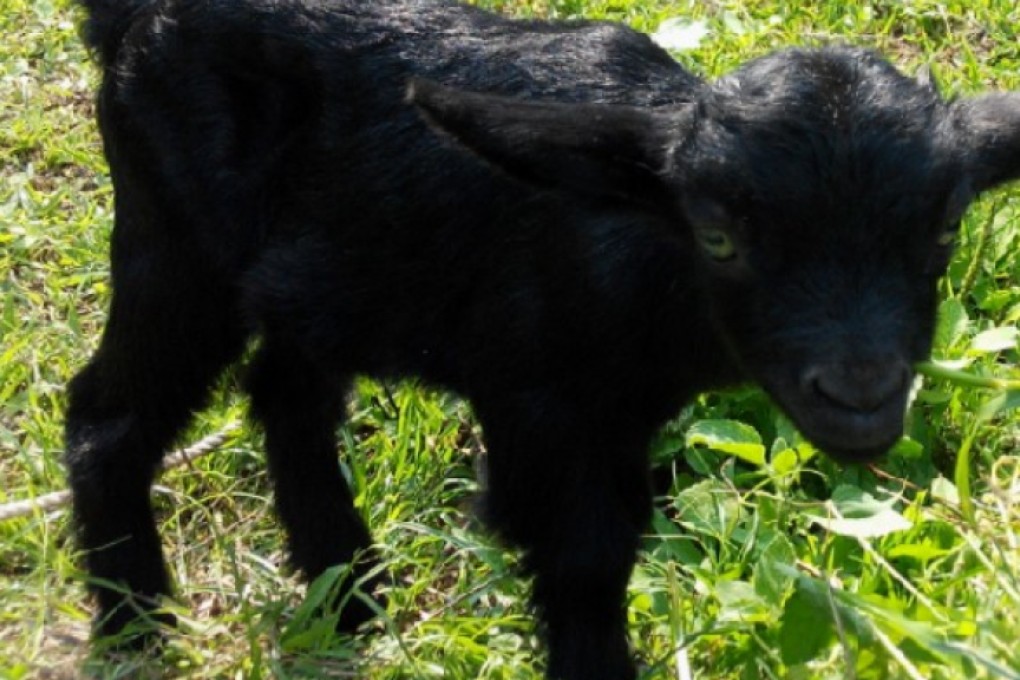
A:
(264, 186)
(289, 150)
(271, 178)
(290, 161)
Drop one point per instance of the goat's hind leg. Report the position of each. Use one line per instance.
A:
(170, 332)
(300, 409)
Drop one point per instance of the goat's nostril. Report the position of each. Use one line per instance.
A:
(863, 388)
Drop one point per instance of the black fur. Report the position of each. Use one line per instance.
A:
(579, 247)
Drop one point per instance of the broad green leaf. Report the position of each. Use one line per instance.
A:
(1006, 400)
(907, 448)
(728, 436)
(785, 461)
(771, 576)
(669, 542)
(862, 515)
(852, 501)
(1013, 315)
(709, 508)
(922, 551)
(951, 325)
(944, 490)
(740, 601)
(805, 628)
(786, 432)
(995, 300)
(806, 451)
(995, 340)
(879, 525)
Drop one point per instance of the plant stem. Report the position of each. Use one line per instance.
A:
(956, 376)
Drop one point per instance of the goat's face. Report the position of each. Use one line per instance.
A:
(824, 199)
(822, 189)
(828, 306)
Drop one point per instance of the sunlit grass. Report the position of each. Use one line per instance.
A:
(746, 567)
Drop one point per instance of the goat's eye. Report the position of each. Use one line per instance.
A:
(717, 243)
(948, 235)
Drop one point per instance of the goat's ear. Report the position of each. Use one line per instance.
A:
(598, 150)
(991, 138)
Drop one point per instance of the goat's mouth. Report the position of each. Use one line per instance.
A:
(851, 425)
(852, 437)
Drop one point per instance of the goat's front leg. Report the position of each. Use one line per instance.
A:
(581, 565)
(575, 496)
(300, 407)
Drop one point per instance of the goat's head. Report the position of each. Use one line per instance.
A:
(822, 189)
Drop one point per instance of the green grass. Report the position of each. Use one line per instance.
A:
(758, 565)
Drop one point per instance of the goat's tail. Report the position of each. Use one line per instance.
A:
(107, 23)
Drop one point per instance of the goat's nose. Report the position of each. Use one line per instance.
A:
(864, 387)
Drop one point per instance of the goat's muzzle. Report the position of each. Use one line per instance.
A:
(853, 410)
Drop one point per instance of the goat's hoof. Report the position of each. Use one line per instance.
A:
(354, 600)
(356, 612)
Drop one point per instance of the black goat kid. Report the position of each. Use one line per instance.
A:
(579, 246)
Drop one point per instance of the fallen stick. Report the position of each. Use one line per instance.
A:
(57, 499)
